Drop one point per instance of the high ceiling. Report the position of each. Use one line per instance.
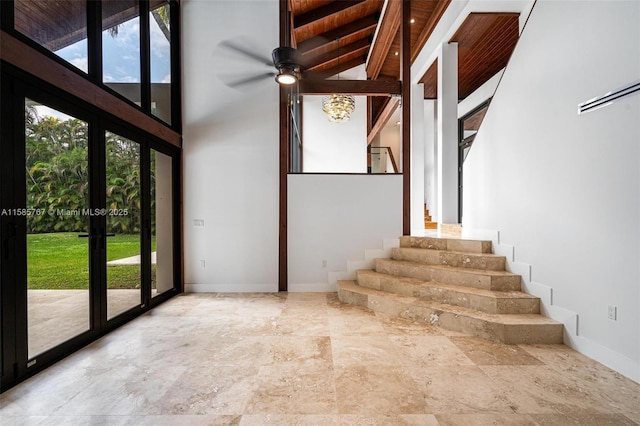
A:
(336, 35)
(485, 42)
(332, 35)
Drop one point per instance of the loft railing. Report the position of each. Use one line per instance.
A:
(380, 160)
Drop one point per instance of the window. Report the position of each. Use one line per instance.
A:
(129, 46)
(160, 60)
(121, 48)
(60, 27)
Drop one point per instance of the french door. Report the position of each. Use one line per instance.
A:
(87, 221)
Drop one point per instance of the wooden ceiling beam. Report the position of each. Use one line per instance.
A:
(360, 46)
(428, 28)
(387, 30)
(384, 116)
(367, 23)
(352, 87)
(347, 65)
(323, 12)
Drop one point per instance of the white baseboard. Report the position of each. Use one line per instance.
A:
(352, 266)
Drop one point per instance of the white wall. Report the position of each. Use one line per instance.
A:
(430, 156)
(418, 136)
(564, 189)
(335, 218)
(230, 149)
(333, 147)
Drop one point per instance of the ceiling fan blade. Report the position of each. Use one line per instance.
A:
(235, 81)
(243, 50)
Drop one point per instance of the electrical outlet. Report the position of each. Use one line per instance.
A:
(612, 312)
(324, 263)
(198, 223)
(202, 264)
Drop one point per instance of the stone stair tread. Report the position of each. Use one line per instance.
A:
(447, 243)
(506, 319)
(484, 272)
(457, 288)
(466, 253)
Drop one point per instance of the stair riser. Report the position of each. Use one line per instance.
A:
(469, 246)
(481, 303)
(460, 278)
(461, 260)
(352, 298)
(489, 305)
(508, 334)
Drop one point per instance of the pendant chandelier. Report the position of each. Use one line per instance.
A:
(338, 107)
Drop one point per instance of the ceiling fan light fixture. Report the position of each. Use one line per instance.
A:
(286, 77)
(286, 60)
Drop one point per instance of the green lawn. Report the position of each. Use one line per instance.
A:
(60, 261)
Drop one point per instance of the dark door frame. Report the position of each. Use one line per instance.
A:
(464, 143)
(16, 86)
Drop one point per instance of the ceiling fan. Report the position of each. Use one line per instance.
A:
(286, 60)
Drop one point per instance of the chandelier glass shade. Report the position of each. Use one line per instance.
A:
(338, 107)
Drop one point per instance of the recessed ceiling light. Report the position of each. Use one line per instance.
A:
(396, 53)
(397, 123)
(413, 21)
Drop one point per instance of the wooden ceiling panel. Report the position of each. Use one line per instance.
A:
(332, 46)
(361, 28)
(333, 57)
(386, 34)
(485, 43)
(425, 15)
(298, 7)
(342, 13)
(430, 81)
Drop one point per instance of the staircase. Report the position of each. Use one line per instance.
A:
(428, 223)
(455, 284)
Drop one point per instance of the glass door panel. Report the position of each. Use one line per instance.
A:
(123, 190)
(57, 213)
(161, 223)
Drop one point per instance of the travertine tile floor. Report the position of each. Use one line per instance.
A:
(305, 358)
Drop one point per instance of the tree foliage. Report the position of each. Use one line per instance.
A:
(57, 172)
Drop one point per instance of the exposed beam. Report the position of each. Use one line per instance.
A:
(284, 137)
(321, 75)
(405, 77)
(23, 56)
(323, 12)
(383, 118)
(429, 27)
(361, 46)
(387, 29)
(367, 23)
(353, 87)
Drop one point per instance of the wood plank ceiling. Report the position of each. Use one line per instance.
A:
(336, 35)
(319, 24)
(332, 36)
(58, 24)
(485, 43)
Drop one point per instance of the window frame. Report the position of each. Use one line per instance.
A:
(94, 51)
